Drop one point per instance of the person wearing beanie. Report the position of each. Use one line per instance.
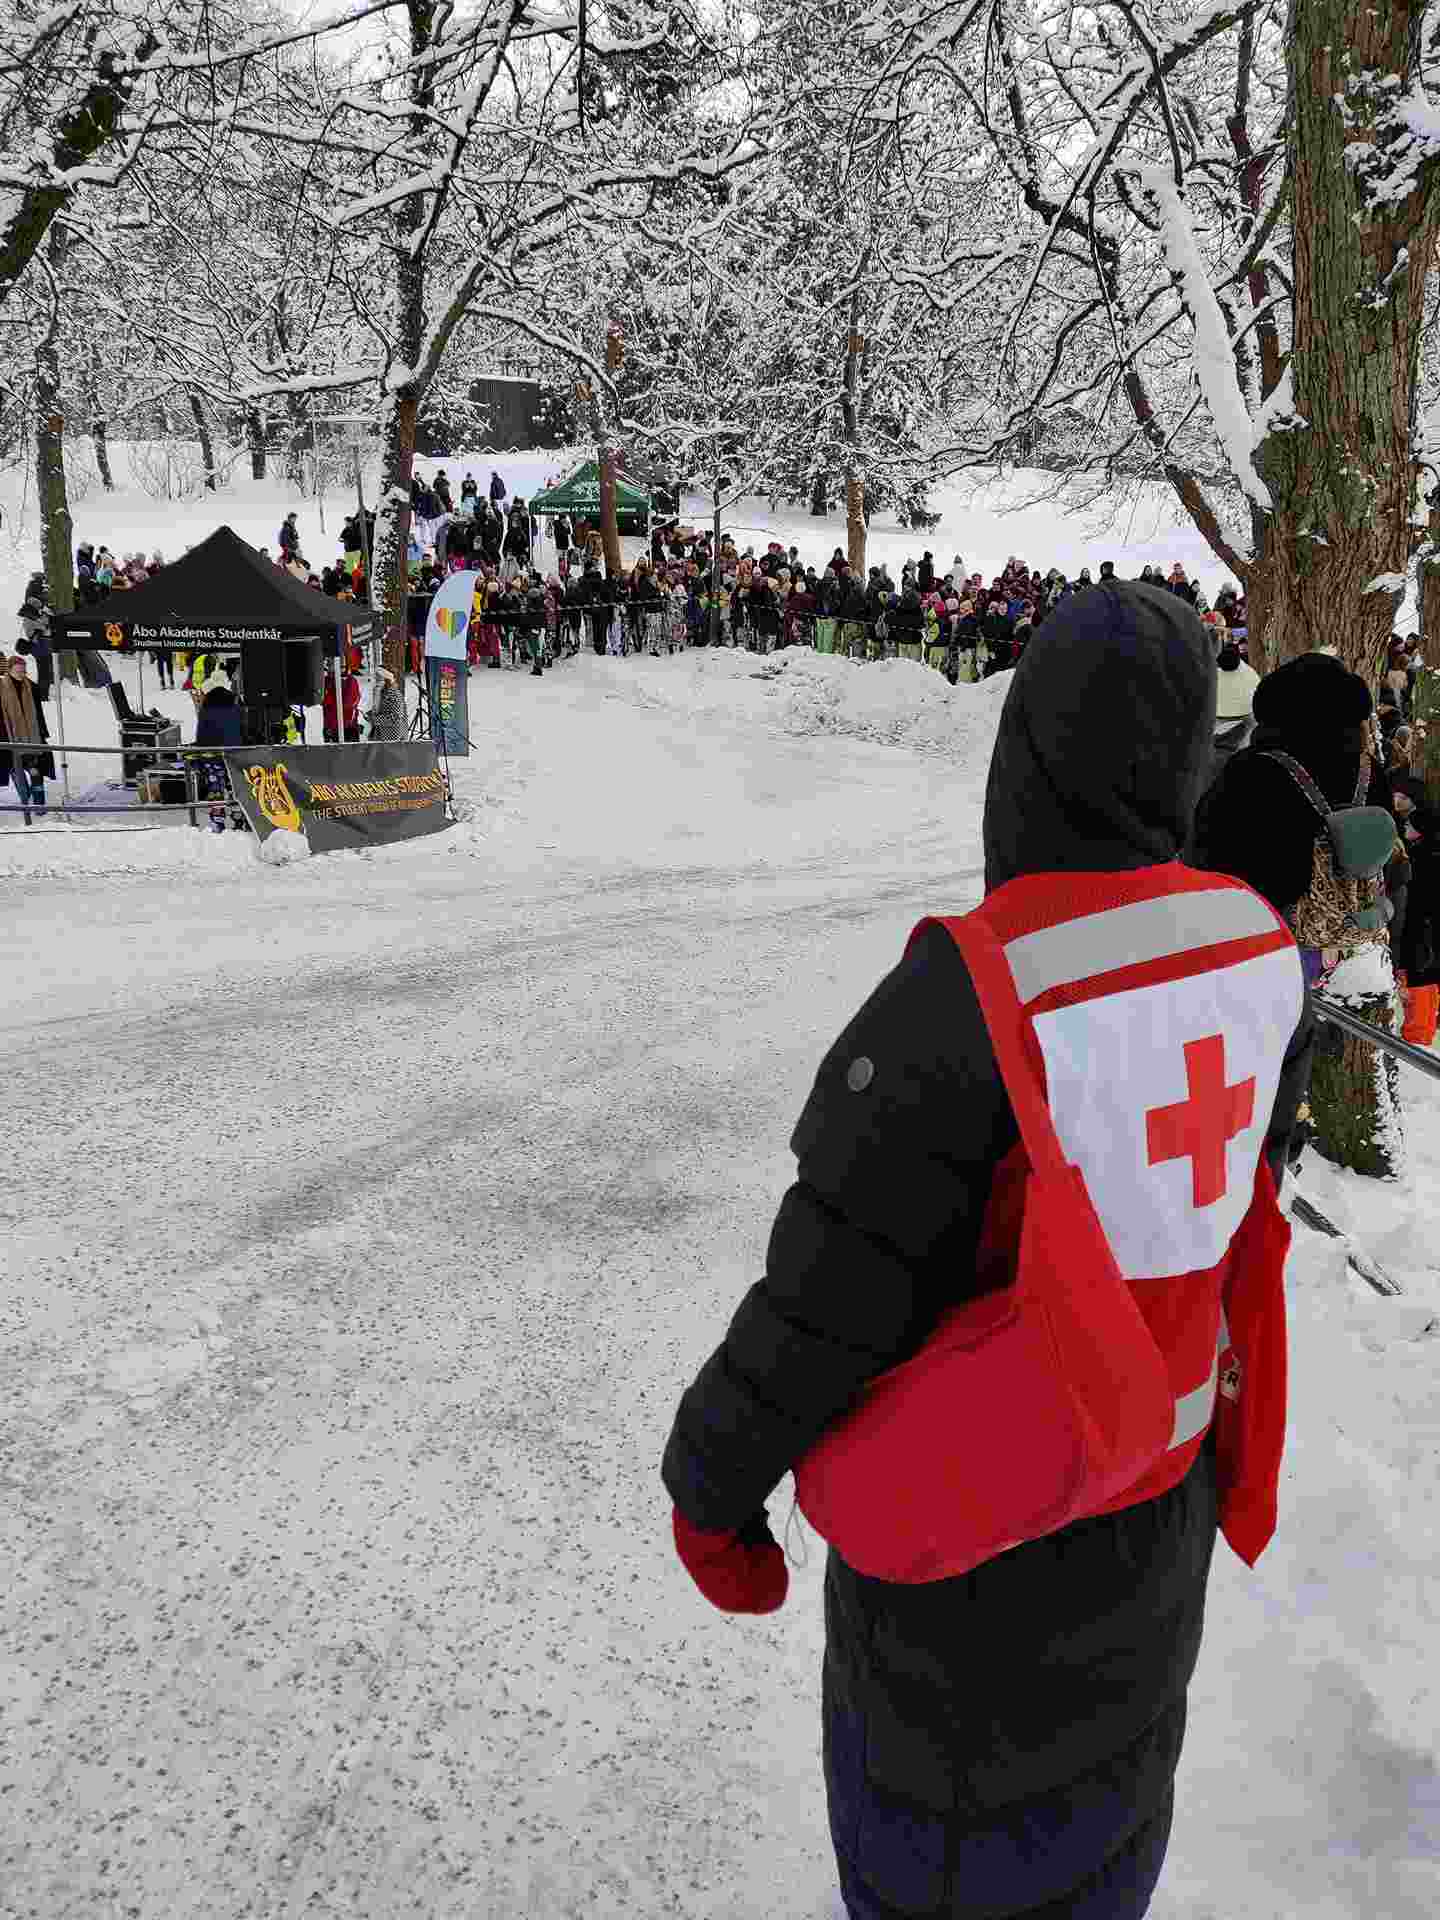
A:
(1236, 681)
(1255, 822)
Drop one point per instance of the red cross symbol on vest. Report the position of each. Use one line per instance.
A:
(1202, 1126)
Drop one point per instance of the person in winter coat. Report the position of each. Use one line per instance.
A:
(220, 724)
(34, 638)
(22, 718)
(1184, 588)
(220, 721)
(288, 539)
(497, 488)
(469, 489)
(925, 577)
(387, 710)
(600, 601)
(440, 485)
(492, 532)
(1255, 822)
(350, 687)
(1236, 681)
(517, 535)
(1002, 1743)
(907, 625)
(764, 614)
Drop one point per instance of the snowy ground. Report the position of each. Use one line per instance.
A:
(367, 1215)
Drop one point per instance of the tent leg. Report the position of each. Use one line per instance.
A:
(64, 756)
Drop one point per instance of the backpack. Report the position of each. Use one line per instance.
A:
(1344, 905)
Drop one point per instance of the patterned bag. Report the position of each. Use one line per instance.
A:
(1344, 906)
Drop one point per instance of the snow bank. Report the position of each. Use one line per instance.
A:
(897, 702)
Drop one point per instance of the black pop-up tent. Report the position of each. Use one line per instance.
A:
(222, 596)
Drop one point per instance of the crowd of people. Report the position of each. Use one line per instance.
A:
(684, 593)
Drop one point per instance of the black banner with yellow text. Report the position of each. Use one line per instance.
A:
(341, 797)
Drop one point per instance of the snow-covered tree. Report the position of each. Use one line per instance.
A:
(1225, 222)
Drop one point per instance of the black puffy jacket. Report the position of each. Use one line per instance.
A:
(1254, 822)
(1003, 1743)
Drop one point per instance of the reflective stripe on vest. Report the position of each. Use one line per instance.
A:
(1161, 1004)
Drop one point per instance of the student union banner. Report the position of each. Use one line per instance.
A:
(341, 797)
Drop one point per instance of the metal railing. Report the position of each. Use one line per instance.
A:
(64, 808)
(1390, 1043)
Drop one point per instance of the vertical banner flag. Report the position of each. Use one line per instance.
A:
(447, 629)
(448, 682)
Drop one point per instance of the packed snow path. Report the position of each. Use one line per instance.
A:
(372, 1213)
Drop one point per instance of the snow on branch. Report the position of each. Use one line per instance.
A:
(1212, 357)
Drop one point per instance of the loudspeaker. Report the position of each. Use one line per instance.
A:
(304, 671)
(282, 673)
(262, 673)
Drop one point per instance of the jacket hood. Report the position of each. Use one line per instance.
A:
(1104, 741)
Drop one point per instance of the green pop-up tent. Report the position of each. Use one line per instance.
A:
(579, 493)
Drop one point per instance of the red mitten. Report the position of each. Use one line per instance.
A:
(741, 1572)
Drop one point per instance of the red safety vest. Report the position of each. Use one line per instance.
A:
(1156, 1008)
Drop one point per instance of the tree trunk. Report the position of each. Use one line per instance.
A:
(855, 524)
(609, 523)
(605, 460)
(100, 440)
(57, 533)
(203, 434)
(857, 519)
(297, 443)
(608, 456)
(1342, 473)
(1343, 477)
(389, 589)
(255, 441)
(1355, 1088)
(390, 582)
(99, 435)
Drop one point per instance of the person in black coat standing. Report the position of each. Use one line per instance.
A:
(1254, 822)
(1003, 1743)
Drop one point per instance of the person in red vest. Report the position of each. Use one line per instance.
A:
(1003, 1742)
(350, 690)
